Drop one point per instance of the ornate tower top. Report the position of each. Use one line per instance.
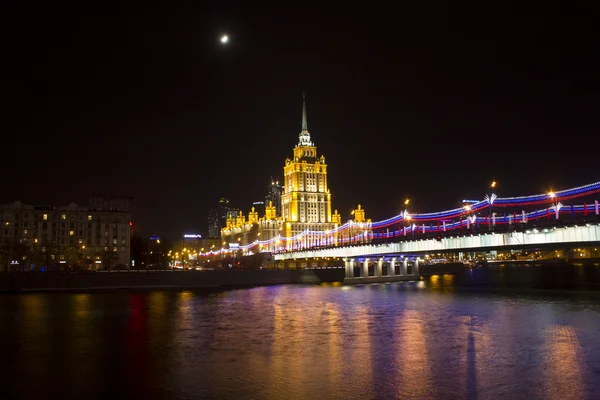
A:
(304, 135)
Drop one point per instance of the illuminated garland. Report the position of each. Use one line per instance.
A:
(417, 220)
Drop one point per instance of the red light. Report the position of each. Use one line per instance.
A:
(130, 223)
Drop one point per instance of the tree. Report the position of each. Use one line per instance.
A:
(109, 259)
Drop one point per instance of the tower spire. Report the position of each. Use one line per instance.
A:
(304, 135)
(304, 123)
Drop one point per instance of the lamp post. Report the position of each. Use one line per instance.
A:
(83, 255)
(407, 217)
(555, 203)
(468, 213)
(350, 230)
(490, 199)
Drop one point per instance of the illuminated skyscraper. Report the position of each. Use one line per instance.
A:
(274, 195)
(306, 200)
(299, 216)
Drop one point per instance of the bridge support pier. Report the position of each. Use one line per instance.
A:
(365, 269)
(392, 267)
(379, 270)
(415, 268)
(349, 265)
(404, 269)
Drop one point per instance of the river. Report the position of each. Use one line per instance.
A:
(413, 340)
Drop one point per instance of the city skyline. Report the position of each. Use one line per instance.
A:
(177, 121)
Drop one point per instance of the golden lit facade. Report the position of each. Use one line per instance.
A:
(306, 219)
(306, 200)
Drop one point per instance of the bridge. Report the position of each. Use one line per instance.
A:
(395, 247)
(401, 260)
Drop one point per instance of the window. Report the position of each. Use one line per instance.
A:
(62, 256)
(45, 217)
(114, 249)
(71, 233)
(63, 216)
(89, 217)
(24, 231)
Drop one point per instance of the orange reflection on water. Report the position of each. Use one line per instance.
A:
(441, 283)
(413, 367)
(562, 368)
(360, 363)
(286, 369)
(81, 342)
(157, 302)
(335, 360)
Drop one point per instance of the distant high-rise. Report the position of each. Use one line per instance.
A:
(217, 217)
(274, 195)
(214, 226)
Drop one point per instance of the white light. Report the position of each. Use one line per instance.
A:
(224, 39)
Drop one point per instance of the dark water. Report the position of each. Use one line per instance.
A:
(415, 340)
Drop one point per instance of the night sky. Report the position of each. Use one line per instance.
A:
(431, 104)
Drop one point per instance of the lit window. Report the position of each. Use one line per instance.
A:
(71, 233)
(62, 256)
(89, 217)
(114, 249)
(24, 231)
(35, 240)
(45, 217)
(63, 216)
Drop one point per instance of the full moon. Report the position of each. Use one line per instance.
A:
(224, 39)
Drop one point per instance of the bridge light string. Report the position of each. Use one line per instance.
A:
(436, 216)
(414, 227)
(500, 220)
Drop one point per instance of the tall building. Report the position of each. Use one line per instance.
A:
(306, 200)
(217, 217)
(97, 236)
(305, 206)
(214, 223)
(274, 195)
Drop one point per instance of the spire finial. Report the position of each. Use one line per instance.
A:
(304, 123)
(304, 135)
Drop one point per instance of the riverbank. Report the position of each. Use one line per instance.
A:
(27, 282)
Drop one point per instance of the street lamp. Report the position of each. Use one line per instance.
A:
(555, 203)
(469, 215)
(490, 198)
(407, 217)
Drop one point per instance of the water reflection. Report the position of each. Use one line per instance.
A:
(32, 344)
(563, 369)
(413, 368)
(286, 350)
(359, 353)
(137, 354)
(408, 340)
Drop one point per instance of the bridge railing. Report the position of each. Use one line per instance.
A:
(504, 223)
(458, 228)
